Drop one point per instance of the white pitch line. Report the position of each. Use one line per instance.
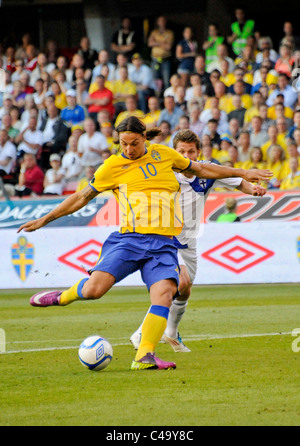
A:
(189, 338)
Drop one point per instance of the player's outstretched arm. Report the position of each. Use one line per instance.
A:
(252, 189)
(71, 204)
(215, 171)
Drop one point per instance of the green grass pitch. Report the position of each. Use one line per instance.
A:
(242, 369)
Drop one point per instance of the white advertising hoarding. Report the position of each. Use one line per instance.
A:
(228, 253)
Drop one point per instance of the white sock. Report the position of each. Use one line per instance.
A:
(176, 313)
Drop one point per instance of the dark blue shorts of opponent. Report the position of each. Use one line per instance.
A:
(154, 255)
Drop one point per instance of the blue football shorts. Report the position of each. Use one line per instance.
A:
(154, 255)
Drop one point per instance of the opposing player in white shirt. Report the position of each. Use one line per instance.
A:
(194, 192)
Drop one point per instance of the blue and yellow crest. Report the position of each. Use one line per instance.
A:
(22, 254)
(155, 155)
(298, 248)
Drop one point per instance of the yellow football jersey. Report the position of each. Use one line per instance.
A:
(146, 189)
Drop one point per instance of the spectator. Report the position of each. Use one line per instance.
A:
(244, 146)
(292, 152)
(73, 113)
(257, 136)
(212, 131)
(255, 159)
(122, 88)
(91, 144)
(131, 110)
(272, 140)
(30, 139)
(81, 88)
(151, 118)
(59, 95)
(107, 130)
(284, 63)
(263, 113)
(103, 59)
(39, 94)
(7, 104)
(241, 29)
(254, 109)
(19, 68)
(122, 61)
(296, 124)
(170, 113)
(186, 51)
(165, 136)
(8, 153)
(297, 139)
(246, 99)
(276, 165)
(124, 40)
(31, 177)
(54, 181)
(234, 130)
(31, 57)
(290, 96)
(196, 125)
(18, 96)
(41, 66)
(292, 181)
(142, 77)
(55, 134)
(101, 99)
(210, 46)
(161, 41)
(233, 157)
(238, 111)
(239, 74)
(88, 54)
(225, 100)
(201, 70)
(265, 43)
(83, 182)
(7, 125)
(222, 54)
(230, 215)
(15, 118)
(71, 162)
(207, 150)
(195, 79)
(52, 51)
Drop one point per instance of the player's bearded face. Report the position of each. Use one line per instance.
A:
(132, 144)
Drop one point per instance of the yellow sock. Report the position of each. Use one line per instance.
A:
(73, 293)
(153, 328)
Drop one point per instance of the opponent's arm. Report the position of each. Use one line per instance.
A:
(71, 204)
(252, 189)
(215, 171)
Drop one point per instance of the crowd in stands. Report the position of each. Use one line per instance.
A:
(239, 93)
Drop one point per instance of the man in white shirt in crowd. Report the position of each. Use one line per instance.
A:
(71, 162)
(91, 144)
(30, 139)
(8, 153)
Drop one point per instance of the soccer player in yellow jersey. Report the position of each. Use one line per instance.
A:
(143, 181)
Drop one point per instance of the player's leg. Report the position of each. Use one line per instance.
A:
(88, 288)
(177, 309)
(155, 322)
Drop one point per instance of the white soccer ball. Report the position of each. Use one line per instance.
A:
(95, 353)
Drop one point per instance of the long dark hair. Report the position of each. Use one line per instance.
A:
(135, 125)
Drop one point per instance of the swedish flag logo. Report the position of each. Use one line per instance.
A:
(298, 248)
(155, 155)
(22, 254)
